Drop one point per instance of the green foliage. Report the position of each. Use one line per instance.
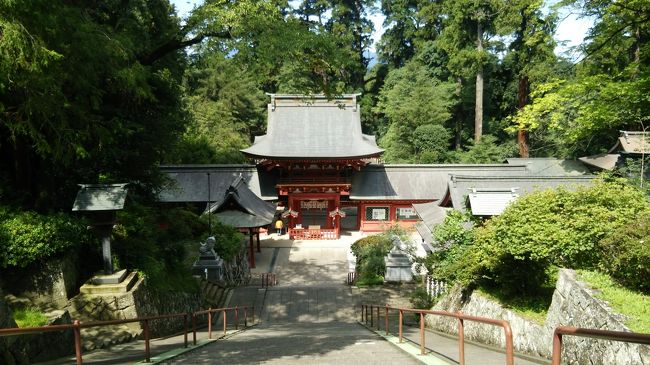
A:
(486, 151)
(27, 237)
(370, 252)
(625, 254)
(586, 113)
(229, 240)
(453, 243)
(420, 299)
(551, 227)
(633, 305)
(29, 317)
(152, 241)
(416, 106)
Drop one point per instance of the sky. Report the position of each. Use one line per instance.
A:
(571, 30)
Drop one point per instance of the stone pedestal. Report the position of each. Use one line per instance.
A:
(209, 265)
(118, 282)
(398, 267)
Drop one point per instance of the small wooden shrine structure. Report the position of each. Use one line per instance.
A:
(239, 207)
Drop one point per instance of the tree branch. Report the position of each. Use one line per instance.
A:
(176, 44)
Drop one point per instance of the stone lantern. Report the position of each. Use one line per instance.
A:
(101, 202)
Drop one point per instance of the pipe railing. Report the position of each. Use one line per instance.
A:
(631, 337)
(76, 327)
(369, 311)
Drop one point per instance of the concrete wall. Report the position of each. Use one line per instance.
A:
(572, 305)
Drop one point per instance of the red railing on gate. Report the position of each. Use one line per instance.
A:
(76, 327)
(366, 309)
(593, 333)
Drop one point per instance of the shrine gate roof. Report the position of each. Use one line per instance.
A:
(238, 206)
(313, 127)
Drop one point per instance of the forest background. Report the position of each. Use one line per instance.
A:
(106, 91)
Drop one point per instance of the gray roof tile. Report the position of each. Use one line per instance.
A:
(303, 127)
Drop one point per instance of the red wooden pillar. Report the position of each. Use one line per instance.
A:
(251, 250)
(257, 235)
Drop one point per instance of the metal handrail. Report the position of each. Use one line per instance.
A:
(632, 337)
(365, 309)
(76, 327)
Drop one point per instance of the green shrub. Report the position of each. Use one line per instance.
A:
(370, 252)
(551, 227)
(420, 299)
(626, 254)
(28, 237)
(453, 246)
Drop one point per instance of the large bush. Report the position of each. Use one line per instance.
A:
(28, 237)
(551, 227)
(626, 254)
(370, 252)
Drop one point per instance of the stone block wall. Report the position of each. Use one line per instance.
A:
(572, 305)
(140, 301)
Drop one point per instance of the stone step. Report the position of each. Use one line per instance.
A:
(122, 287)
(104, 337)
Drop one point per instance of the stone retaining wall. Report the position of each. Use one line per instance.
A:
(572, 305)
(140, 301)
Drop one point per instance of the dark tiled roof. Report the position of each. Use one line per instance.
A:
(603, 161)
(100, 197)
(551, 166)
(418, 182)
(189, 183)
(431, 214)
(461, 186)
(313, 127)
(238, 206)
(633, 142)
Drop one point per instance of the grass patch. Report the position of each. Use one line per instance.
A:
(634, 305)
(532, 308)
(29, 317)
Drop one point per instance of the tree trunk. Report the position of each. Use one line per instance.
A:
(522, 100)
(459, 115)
(478, 114)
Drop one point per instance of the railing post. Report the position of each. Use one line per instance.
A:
(386, 324)
(372, 315)
(210, 323)
(401, 316)
(378, 322)
(510, 360)
(147, 350)
(77, 341)
(185, 337)
(461, 340)
(194, 328)
(253, 314)
(361, 313)
(245, 317)
(422, 351)
(225, 322)
(366, 312)
(557, 348)
(236, 317)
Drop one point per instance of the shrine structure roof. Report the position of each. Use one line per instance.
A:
(313, 127)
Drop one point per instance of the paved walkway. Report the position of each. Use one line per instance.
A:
(310, 318)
